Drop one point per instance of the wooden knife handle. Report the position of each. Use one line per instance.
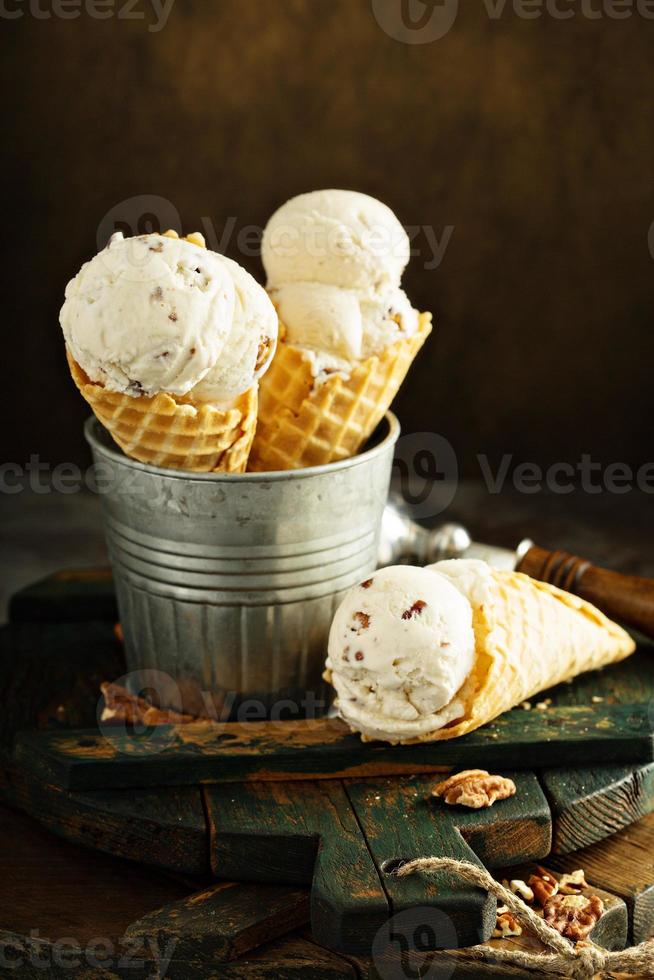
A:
(627, 598)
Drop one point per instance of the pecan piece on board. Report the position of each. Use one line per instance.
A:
(573, 883)
(574, 916)
(474, 788)
(506, 925)
(543, 884)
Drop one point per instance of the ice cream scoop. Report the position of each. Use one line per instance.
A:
(149, 314)
(344, 323)
(340, 238)
(348, 333)
(334, 261)
(521, 637)
(400, 648)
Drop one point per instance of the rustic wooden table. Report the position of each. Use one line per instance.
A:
(64, 909)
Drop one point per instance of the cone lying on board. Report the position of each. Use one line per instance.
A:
(306, 424)
(168, 431)
(529, 636)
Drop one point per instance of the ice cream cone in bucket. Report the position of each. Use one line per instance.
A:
(429, 654)
(302, 423)
(166, 342)
(334, 261)
(167, 431)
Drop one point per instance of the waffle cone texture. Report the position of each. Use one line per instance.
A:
(173, 432)
(529, 636)
(306, 424)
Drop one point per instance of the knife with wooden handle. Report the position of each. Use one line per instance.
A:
(626, 598)
(629, 599)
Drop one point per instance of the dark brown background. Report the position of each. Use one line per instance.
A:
(533, 138)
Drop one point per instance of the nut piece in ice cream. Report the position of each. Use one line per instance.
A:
(400, 647)
(574, 916)
(474, 788)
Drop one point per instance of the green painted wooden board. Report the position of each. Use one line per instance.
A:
(168, 829)
(163, 829)
(588, 804)
(223, 922)
(151, 926)
(344, 838)
(325, 748)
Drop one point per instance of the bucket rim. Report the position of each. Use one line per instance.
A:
(100, 442)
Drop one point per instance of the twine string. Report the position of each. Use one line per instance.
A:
(581, 961)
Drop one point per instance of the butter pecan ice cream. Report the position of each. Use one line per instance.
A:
(157, 313)
(400, 648)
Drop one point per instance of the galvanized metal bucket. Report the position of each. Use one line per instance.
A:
(227, 584)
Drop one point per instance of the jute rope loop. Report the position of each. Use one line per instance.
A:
(581, 962)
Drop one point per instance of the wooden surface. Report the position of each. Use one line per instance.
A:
(304, 833)
(341, 838)
(624, 863)
(293, 832)
(590, 804)
(138, 912)
(223, 922)
(325, 748)
(166, 829)
(50, 674)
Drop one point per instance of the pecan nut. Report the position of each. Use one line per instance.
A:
(573, 883)
(474, 788)
(506, 925)
(520, 888)
(574, 916)
(543, 884)
(122, 707)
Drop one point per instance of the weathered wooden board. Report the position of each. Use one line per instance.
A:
(590, 804)
(623, 863)
(100, 897)
(344, 838)
(324, 748)
(301, 833)
(57, 900)
(405, 955)
(67, 912)
(401, 820)
(165, 829)
(50, 674)
(223, 922)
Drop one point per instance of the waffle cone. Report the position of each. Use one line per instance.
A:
(531, 636)
(167, 431)
(304, 424)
